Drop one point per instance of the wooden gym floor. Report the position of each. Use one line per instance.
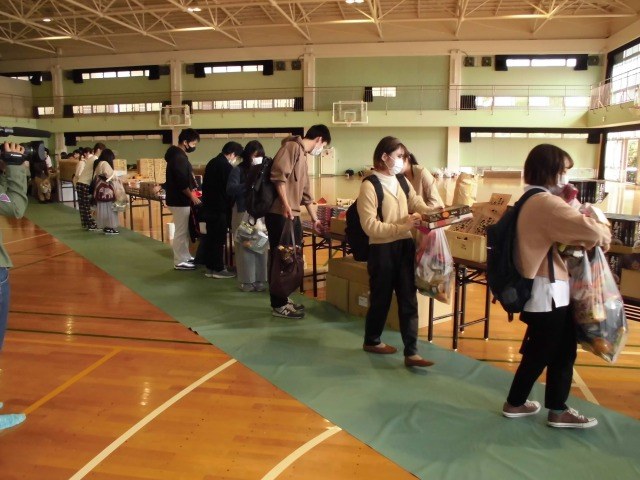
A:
(81, 342)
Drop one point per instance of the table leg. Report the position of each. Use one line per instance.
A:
(487, 311)
(131, 200)
(456, 309)
(314, 263)
(463, 302)
(430, 327)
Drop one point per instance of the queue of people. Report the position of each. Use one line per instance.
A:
(545, 221)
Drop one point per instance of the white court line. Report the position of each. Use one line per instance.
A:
(27, 238)
(138, 426)
(291, 458)
(583, 388)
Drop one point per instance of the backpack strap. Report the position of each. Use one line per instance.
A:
(377, 186)
(518, 205)
(402, 180)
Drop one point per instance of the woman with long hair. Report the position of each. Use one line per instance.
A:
(104, 192)
(251, 266)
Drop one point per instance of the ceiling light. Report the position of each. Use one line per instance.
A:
(46, 20)
(354, 1)
(194, 9)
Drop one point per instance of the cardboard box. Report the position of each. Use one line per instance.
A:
(359, 304)
(338, 292)
(630, 283)
(338, 225)
(358, 298)
(349, 269)
(467, 246)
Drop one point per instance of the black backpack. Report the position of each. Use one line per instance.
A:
(356, 238)
(261, 192)
(508, 287)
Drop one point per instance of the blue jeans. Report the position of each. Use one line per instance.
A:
(4, 301)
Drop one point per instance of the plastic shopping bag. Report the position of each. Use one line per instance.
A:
(597, 307)
(252, 234)
(434, 266)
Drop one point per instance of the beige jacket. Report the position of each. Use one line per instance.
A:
(545, 220)
(425, 186)
(394, 212)
(290, 168)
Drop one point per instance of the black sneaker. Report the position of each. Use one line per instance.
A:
(110, 231)
(287, 311)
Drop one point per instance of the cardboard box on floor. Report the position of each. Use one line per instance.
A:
(356, 293)
(338, 292)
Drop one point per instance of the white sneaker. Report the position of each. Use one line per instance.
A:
(184, 266)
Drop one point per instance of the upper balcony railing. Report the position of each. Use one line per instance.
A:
(617, 90)
(401, 98)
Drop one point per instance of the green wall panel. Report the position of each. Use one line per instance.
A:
(512, 152)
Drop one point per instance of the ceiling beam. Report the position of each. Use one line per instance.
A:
(213, 25)
(289, 19)
(117, 21)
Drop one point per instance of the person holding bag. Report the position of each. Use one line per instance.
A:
(391, 251)
(545, 221)
(290, 176)
(251, 265)
(104, 193)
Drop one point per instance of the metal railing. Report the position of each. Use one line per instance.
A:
(616, 90)
(410, 98)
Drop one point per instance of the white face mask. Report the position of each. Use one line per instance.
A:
(257, 160)
(398, 165)
(563, 180)
(317, 151)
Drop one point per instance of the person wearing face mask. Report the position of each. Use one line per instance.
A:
(545, 221)
(251, 267)
(217, 209)
(290, 176)
(422, 181)
(180, 188)
(391, 251)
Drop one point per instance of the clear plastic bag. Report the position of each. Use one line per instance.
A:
(253, 237)
(434, 266)
(597, 307)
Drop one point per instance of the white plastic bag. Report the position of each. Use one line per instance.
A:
(434, 266)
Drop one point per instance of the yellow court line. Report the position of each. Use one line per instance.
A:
(125, 348)
(31, 408)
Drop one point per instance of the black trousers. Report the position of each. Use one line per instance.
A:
(391, 267)
(275, 225)
(550, 341)
(215, 240)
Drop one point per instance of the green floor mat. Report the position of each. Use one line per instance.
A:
(441, 423)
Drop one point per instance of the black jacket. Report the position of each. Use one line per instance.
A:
(179, 177)
(214, 185)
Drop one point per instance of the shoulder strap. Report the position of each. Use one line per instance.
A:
(402, 180)
(377, 186)
(518, 205)
(525, 196)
